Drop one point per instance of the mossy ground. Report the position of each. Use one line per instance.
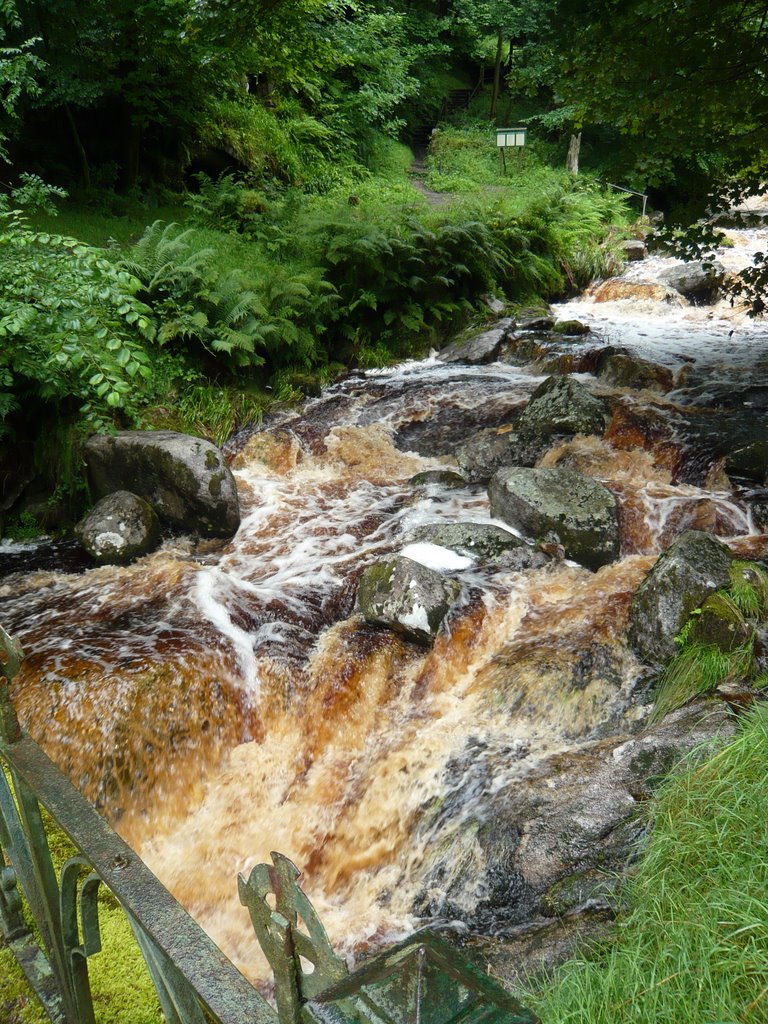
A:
(122, 989)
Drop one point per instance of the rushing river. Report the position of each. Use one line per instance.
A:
(219, 703)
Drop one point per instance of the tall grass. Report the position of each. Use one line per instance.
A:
(693, 949)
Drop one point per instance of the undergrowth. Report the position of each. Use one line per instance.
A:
(694, 945)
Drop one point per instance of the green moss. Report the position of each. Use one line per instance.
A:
(122, 989)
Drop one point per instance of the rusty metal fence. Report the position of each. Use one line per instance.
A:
(50, 921)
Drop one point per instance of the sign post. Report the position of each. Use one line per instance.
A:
(510, 138)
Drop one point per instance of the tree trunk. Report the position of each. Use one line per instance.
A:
(132, 153)
(574, 148)
(497, 75)
(82, 156)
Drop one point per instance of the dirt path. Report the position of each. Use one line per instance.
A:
(416, 174)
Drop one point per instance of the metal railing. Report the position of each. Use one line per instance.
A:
(424, 979)
(629, 191)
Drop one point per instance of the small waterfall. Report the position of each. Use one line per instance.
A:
(220, 702)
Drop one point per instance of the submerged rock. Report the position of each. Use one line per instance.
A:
(407, 597)
(698, 282)
(481, 541)
(578, 510)
(119, 528)
(749, 462)
(616, 289)
(562, 405)
(439, 478)
(185, 479)
(683, 577)
(626, 371)
(479, 348)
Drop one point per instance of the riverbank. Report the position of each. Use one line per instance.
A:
(259, 297)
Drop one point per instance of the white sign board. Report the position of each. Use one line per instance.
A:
(510, 138)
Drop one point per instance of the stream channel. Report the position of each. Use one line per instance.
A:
(220, 702)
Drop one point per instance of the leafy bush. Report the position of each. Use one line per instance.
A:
(70, 322)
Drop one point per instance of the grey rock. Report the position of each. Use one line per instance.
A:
(479, 348)
(185, 479)
(481, 541)
(535, 320)
(406, 597)
(698, 282)
(634, 250)
(627, 371)
(119, 528)
(439, 478)
(749, 462)
(683, 577)
(490, 450)
(579, 511)
(561, 405)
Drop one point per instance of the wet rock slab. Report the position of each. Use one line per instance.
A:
(546, 860)
(578, 510)
(476, 540)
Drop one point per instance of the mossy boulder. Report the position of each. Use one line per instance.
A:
(561, 405)
(184, 478)
(691, 569)
(407, 597)
(578, 510)
(481, 541)
(119, 529)
(570, 328)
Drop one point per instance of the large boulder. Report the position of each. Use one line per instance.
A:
(480, 541)
(119, 528)
(185, 479)
(479, 348)
(683, 577)
(578, 510)
(696, 281)
(407, 597)
(561, 405)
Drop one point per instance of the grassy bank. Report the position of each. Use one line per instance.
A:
(694, 945)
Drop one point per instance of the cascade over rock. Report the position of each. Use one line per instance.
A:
(185, 479)
(749, 462)
(688, 572)
(559, 407)
(698, 282)
(626, 371)
(578, 510)
(543, 853)
(119, 528)
(407, 597)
